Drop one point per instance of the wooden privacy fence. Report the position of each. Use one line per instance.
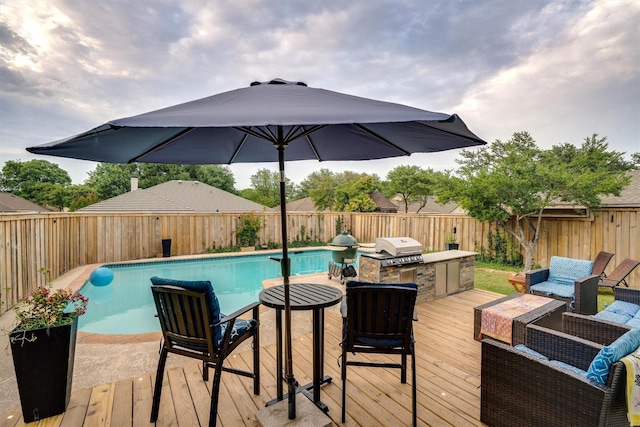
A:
(61, 242)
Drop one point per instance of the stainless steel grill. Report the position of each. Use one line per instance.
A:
(397, 251)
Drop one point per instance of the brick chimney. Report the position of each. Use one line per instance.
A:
(134, 184)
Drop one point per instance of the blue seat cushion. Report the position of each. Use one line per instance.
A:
(613, 317)
(554, 288)
(566, 271)
(570, 367)
(635, 322)
(523, 348)
(621, 312)
(203, 286)
(601, 364)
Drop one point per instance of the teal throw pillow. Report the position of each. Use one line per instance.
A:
(601, 364)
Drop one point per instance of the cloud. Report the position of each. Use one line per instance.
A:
(581, 82)
(561, 70)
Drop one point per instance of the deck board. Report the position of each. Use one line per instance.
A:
(448, 371)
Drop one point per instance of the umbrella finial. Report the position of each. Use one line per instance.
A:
(278, 81)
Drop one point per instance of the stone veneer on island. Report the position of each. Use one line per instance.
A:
(442, 273)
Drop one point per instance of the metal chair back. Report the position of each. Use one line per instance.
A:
(379, 319)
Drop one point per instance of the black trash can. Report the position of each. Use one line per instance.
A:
(166, 248)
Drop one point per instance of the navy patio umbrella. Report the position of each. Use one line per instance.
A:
(244, 125)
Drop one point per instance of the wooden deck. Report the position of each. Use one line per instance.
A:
(448, 371)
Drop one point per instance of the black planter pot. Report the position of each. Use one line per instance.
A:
(43, 362)
(166, 248)
(451, 246)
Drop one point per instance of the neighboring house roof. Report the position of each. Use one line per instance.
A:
(430, 207)
(177, 196)
(13, 203)
(382, 203)
(306, 204)
(301, 205)
(629, 197)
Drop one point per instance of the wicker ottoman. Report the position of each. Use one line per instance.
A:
(548, 316)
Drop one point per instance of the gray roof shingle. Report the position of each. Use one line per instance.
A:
(177, 196)
(12, 203)
(629, 197)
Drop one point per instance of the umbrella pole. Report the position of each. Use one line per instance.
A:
(285, 267)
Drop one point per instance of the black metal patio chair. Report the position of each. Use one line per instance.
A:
(193, 326)
(379, 319)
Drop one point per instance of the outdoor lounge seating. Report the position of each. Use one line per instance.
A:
(556, 379)
(379, 319)
(567, 279)
(193, 326)
(616, 319)
(600, 263)
(619, 274)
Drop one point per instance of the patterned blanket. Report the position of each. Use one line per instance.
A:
(632, 363)
(497, 320)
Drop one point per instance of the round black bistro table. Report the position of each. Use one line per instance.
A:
(303, 296)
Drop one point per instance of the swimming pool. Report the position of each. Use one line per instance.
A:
(126, 305)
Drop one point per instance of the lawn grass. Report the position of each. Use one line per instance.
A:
(494, 278)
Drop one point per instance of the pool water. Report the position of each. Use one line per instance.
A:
(126, 305)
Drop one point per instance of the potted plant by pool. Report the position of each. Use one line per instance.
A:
(43, 348)
(247, 230)
(450, 242)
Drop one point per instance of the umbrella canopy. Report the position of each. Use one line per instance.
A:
(237, 126)
(232, 127)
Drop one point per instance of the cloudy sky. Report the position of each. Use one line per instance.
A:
(561, 70)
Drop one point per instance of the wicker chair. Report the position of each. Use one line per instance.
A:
(192, 327)
(582, 297)
(599, 330)
(519, 389)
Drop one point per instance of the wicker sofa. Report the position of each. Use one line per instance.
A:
(519, 389)
(600, 330)
(569, 280)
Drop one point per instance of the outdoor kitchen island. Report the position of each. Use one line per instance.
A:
(437, 274)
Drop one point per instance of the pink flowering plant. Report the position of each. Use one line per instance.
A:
(47, 307)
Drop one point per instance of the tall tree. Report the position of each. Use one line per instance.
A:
(54, 195)
(340, 191)
(266, 188)
(81, 196)
(426, 186)
(219, 176)
(355, 195)
(320, 187)
(412, 184)
(110, 179)
(25, 179)
(215, 175)
(516, 178)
